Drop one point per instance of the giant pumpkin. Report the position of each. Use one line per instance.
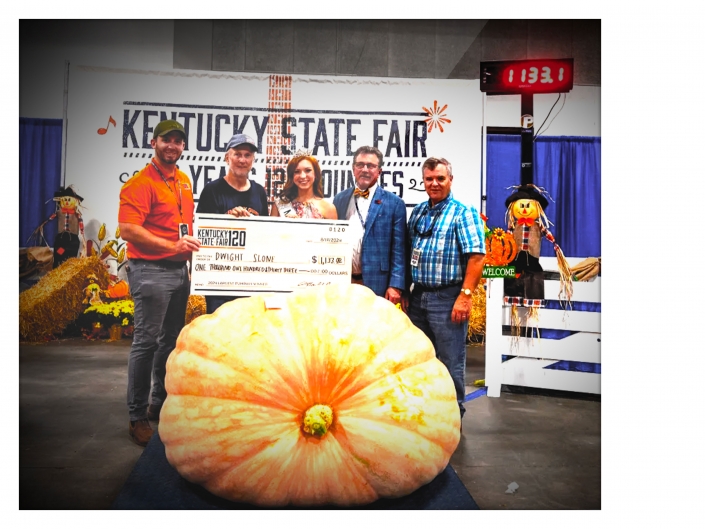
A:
(334, 398)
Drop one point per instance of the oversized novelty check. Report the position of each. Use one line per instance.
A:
(257, 255)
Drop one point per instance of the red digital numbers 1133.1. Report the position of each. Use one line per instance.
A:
(531, 76)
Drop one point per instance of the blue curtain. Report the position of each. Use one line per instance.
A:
(568, 167)
(503, 170)
(40, 175)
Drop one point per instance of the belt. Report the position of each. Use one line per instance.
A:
(357, 277)
(421, 288)
(165, 263)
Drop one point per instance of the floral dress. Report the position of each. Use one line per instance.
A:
(298, 210)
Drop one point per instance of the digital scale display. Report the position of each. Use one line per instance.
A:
(526, 77)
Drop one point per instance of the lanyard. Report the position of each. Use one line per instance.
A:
(359, 214)
(180, 200)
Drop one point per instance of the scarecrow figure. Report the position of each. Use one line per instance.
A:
(69, 238)
(527, 222)
(92, 291)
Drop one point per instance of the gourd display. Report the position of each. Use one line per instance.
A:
(333, 398)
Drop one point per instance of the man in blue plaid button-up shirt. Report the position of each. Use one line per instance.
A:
(447, 248)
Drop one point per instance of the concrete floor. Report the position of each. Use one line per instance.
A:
(75, 452)
(548, 445)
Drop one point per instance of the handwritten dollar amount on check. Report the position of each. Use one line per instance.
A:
(220, 266)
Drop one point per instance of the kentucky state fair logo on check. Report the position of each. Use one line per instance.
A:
(213, 237)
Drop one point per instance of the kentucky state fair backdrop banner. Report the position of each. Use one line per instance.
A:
(112, 114)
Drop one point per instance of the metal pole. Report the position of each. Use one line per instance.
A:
(527, 139)
(483, 154)
(65, 124)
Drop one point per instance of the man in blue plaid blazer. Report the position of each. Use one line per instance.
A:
(378, 227)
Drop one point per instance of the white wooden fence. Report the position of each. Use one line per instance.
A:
(532, 355)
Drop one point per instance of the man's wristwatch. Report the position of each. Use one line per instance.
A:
(466, 291)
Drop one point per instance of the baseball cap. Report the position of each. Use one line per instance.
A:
(241, 139)
(167, 126)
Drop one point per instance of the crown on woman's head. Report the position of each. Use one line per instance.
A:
(303, 152)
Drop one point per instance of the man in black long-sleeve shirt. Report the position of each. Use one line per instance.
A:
(235, 194)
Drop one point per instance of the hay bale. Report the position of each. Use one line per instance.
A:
(195, 307)
(478, 315)
(56, 300)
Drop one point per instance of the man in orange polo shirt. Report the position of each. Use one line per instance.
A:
(156, 220)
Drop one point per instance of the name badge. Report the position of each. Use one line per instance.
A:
(415, 256)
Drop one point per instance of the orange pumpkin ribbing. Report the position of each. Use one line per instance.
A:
(501, 248)
(241, 381)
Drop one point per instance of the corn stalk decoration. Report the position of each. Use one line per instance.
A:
(111, 249)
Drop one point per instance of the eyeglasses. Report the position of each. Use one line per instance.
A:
(429, 231)
(370, 166)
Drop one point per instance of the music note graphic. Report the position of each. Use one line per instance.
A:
(104, 130)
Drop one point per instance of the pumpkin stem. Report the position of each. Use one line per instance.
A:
(318, 419)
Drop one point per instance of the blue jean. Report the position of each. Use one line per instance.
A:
(213, 303)
(430, 311)
(160, 292)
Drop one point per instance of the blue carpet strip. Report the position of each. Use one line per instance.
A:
(475, 394)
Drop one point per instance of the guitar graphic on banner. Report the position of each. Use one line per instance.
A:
(275, 160)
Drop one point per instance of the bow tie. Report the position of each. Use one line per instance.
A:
(360, 193)
(527, 222)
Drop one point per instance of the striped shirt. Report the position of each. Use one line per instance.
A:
(457, 231)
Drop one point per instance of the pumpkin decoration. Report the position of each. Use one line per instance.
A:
(118, 289)
(334, 398)
(501, 248)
